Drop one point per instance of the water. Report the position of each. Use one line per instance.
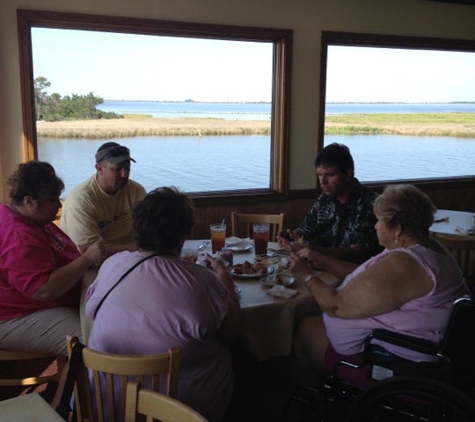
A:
(216, 163)
(363, 108)
(395, 157)
(262, 111)
(163, 109)
(190, 163)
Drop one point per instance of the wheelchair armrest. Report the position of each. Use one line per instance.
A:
(403, 340)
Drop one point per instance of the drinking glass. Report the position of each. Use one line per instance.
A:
(218, 236)
(189, 254)
(261, 237)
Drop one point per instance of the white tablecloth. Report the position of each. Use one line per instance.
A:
(456, 220)
(268, 322)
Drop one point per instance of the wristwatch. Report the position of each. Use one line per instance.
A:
(308, 278)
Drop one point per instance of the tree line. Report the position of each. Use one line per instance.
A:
(54, 107)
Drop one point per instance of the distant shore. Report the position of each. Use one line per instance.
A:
(424, 124)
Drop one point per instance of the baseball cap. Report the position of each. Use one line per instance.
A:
(115, 155)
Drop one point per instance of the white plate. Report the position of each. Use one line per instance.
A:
(256, 275)
(239, 246)
(286, 280)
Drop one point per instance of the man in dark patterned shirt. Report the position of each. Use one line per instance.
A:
(341, 222)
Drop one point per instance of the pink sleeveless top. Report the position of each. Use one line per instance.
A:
(424, 317)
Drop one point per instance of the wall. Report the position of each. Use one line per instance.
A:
(306, 17)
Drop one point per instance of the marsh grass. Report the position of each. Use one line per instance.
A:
(423, 124)
(149, 126)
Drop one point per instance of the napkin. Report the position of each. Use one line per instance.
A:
(281, 292)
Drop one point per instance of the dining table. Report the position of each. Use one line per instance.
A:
(454, 223)
(29, 407)
(268, 322)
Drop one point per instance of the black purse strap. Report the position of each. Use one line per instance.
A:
(75, 364)
(120, 279)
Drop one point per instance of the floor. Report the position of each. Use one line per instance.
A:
(37, 367)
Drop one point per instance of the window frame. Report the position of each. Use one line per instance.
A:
(282, 58)
(352, 39)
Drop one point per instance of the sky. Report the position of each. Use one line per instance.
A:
(151, 68)
(388, 74)
(143, 67)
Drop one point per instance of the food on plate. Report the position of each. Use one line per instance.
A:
(249, 268)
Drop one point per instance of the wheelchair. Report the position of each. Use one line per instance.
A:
(401, 390)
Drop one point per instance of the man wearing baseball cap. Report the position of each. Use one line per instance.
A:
(101, 207)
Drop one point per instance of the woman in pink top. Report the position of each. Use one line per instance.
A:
(409, 287)
(40, 266)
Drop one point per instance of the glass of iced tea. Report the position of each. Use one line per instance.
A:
(261, 237)
(218, 236)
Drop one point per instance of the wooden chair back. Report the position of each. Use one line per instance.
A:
(156, 406)
(463, 250)
(241, 224)
(96, 384)
(26, 358)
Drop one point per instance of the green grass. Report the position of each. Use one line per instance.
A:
(422, 124)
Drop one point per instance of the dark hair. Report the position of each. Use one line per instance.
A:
(336, 155)
(36, 179)
(162, 219)
(408, 206)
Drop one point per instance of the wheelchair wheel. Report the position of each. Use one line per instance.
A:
(411, 398)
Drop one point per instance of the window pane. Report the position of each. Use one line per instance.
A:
(404, 113)
(226, 84)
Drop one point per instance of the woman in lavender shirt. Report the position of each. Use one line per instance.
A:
(409, 287)
(167, 301)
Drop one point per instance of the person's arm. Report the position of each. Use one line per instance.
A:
(352, 254)
(337, 267)
(385, 286)
(114, 247)
(64, 278)
(230, 328)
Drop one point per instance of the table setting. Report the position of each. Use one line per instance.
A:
(453, 223)
(271, 302)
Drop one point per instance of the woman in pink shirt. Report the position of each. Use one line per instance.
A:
(40, 266)
(409, 287)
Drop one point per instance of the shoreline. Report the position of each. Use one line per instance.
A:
(427, 124)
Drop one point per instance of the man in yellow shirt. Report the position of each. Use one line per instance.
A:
(101, 207)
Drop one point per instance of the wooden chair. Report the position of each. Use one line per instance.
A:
(28, 358)
(241, 224)
(463, 250)
(156, 406)
(108, 369)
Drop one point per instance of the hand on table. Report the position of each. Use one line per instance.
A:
(217, 264)
(96, 252)
(286, 236)
(299, 266)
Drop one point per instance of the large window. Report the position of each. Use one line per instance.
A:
(404, 106)
(202, 107)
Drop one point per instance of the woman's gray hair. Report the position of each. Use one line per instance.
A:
(408, 206)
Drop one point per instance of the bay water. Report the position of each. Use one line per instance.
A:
(214, 163)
